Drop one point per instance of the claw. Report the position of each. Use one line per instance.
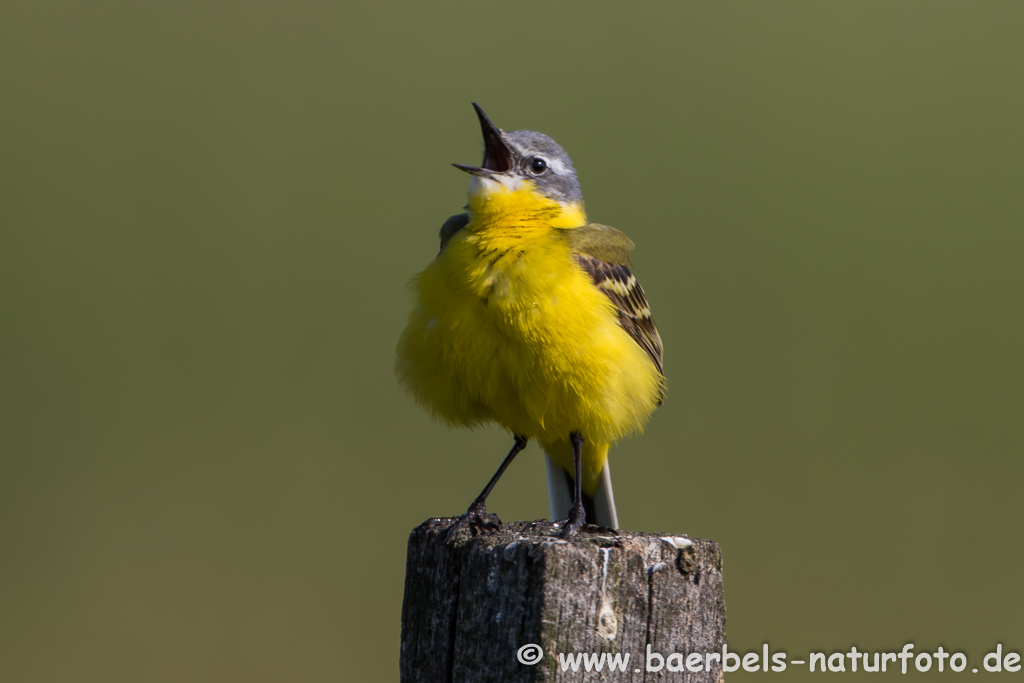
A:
(476, 517)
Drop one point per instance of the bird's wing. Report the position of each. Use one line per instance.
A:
(603, 252)
(452, 226)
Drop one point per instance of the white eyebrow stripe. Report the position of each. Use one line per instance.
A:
(557, 166)
(519, 149)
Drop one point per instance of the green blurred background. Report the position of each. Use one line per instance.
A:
(208, 216)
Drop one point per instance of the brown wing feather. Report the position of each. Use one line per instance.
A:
(620, 285)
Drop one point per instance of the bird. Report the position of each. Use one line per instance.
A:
(530, 317)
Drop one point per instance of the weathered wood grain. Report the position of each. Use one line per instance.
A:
(471, 605)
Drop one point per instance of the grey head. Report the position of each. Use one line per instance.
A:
(526, 154)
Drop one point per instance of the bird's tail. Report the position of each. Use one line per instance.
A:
(598, 499)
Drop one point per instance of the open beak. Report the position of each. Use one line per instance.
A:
(497, 156)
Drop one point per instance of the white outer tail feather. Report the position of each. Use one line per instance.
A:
(560, 499)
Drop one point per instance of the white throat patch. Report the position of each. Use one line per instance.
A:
(481, 186)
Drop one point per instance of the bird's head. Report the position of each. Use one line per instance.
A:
(523, 168)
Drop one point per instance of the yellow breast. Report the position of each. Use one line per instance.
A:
(508, 328)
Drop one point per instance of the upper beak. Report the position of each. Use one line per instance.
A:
(497, 156)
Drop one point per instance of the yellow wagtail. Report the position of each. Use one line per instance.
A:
(530, 317)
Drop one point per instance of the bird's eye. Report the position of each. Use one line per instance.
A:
(538, 165)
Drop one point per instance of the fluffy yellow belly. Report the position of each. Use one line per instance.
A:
(520, 336)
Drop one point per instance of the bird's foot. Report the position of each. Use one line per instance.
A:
(576, 520)
(475, 517)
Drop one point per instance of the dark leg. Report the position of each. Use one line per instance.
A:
(577, 514)
(477, 512)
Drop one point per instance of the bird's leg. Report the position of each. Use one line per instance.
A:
(577, 514)
(477, 515)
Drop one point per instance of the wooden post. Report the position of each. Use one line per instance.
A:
(470, 606)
